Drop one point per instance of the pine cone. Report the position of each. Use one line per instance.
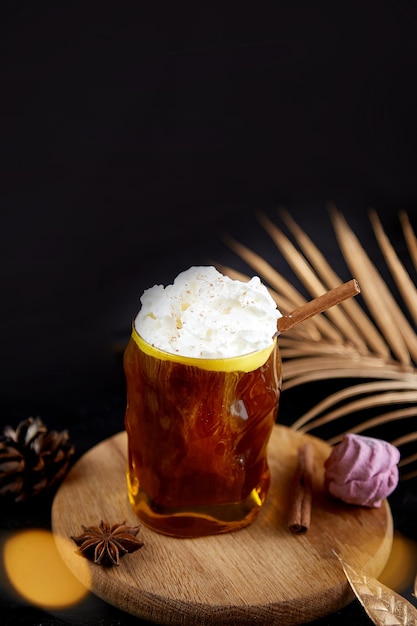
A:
(32, 459)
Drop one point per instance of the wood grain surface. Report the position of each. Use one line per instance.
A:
(262, 574)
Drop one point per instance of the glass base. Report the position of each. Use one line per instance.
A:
(200, 520)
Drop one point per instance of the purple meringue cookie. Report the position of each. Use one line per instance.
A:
(362, 470)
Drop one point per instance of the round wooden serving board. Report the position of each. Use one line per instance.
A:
(262, 574)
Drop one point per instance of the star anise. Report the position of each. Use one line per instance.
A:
(107, 544)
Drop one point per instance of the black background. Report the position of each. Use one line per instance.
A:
(133, 135)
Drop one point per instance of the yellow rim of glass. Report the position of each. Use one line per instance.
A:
(245, 363)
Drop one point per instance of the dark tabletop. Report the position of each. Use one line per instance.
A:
(132, 138)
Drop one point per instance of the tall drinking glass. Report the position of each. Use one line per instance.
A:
(198, 432)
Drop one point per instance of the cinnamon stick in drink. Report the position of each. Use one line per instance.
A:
(299, 514)
(318, 305)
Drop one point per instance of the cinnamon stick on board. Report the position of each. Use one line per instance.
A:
(299, 514)
(318, 305)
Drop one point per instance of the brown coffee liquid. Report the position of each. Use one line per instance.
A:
(197, 442)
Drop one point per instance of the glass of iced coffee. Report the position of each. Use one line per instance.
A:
(203, 378)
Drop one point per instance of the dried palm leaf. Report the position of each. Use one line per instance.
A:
(383, 605)
(375, 342)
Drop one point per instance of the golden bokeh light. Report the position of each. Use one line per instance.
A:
(37, 573)
(401, 569)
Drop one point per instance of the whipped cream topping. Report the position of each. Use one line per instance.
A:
(205, 314)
